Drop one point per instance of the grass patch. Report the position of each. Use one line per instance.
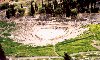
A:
(75, 47)
(6, 27)
(17, 49)
(81, 43)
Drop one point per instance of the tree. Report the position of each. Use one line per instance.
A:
(21, 6)
(55, 3)
(64, 5)
(87, 3)
(94, 9)
(68, 8)
(13, 11)
(80, 5)
(73, 4)
(8, 13)
(2, 55)
(36, 7)
(42, 4)
(32, 10)
(49, 9)
(66, 56)
(93, 3)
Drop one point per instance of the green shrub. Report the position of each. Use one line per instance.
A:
(4, 24)
(74, 11)
(15, 4)
(6, 34)
(42, 10)
(58, 11)
(21, 11)
(8, 12)
(4, 6)
(1, 39)
(11, 11)
(16, 0)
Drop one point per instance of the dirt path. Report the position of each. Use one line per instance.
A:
(36, 58)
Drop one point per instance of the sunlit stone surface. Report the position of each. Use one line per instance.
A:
(50, 33)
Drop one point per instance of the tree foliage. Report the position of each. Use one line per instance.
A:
(68, 7)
